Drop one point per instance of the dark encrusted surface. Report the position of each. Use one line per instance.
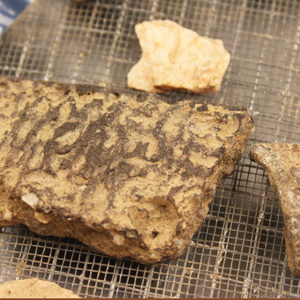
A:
(128, 174)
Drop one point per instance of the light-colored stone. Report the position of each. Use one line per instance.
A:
(31, 199)
(34, 288)
(282, 163)
(177, 58)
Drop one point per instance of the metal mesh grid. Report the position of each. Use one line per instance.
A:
(239, 251)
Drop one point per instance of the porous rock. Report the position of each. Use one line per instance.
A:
(282, 163)
(34, 288)
(127, 174)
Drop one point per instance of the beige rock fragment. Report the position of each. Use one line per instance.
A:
(282, 163)
(177, 58)
(34, 288)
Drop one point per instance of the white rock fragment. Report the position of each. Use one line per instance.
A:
(178, 242)
(177, 58)
(105, 225)
(130, 234)
(153, 255)
(7, 215)
(118, 239)
(82, 187)
(42, 218)
(31, 199)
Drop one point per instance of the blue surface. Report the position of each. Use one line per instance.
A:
(9, 11)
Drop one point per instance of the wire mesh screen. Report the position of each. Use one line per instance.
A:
(239, 250)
